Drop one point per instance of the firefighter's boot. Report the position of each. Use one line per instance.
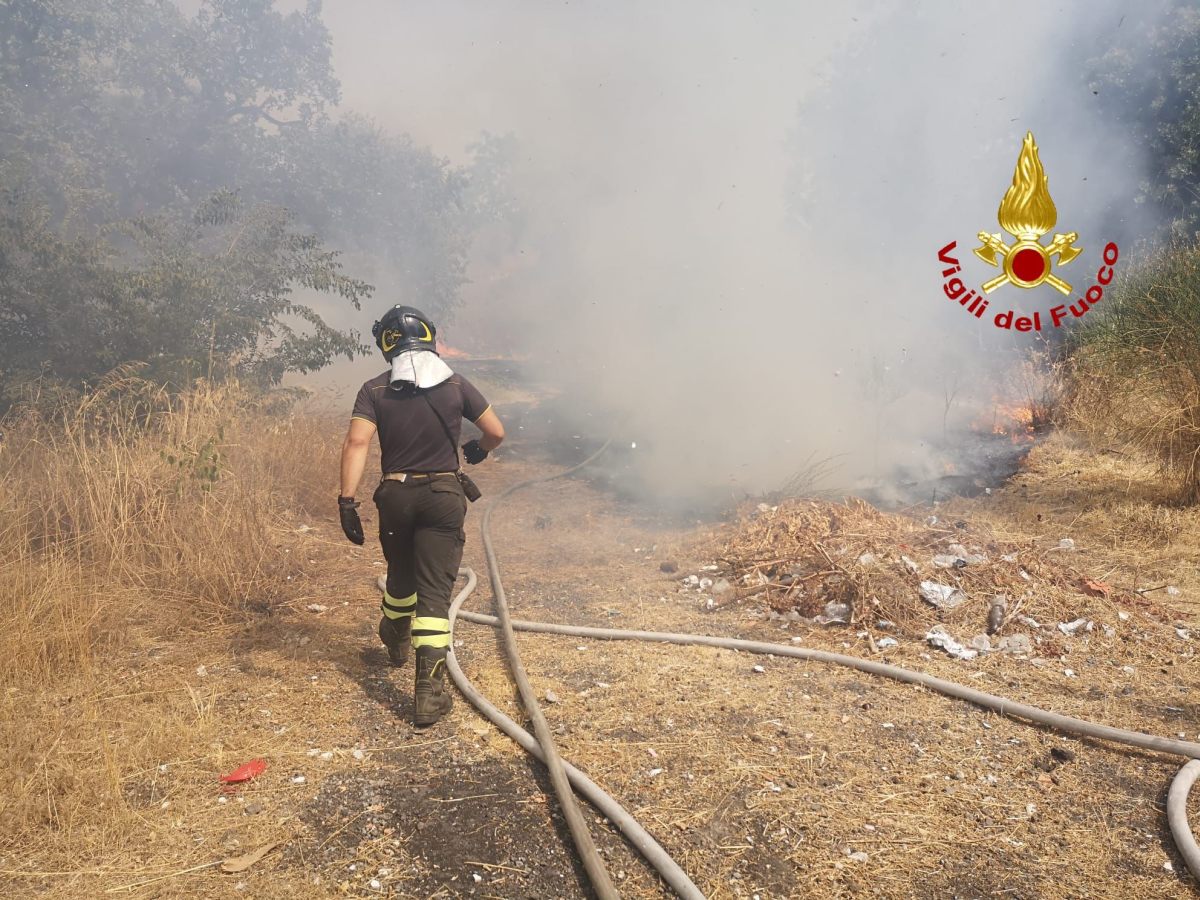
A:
(396, 635)
(395, 625)
(431, 700)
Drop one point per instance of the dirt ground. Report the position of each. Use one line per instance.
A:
(796, 780)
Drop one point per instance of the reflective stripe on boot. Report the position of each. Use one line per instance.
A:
(431, 700)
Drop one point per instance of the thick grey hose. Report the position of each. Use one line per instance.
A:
(636, 834)
(1177, 818)
(592, 864)
(949, 688)
(1176, 800)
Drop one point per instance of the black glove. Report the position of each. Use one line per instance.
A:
(473, 452)
(351, 523)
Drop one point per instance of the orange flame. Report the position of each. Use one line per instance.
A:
(1027, 210)
(448, 352)
(1012, 420)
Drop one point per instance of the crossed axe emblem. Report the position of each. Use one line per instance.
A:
(1027, 263)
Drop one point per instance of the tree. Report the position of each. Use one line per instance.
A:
(1150, 84)
(210, 295)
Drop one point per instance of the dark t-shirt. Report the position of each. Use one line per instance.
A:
(410, 437)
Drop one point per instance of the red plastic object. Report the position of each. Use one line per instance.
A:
(245, 772)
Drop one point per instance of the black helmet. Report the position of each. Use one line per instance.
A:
(404, 328)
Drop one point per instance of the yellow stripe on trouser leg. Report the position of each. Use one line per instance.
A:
(395, 608)
(430, 631)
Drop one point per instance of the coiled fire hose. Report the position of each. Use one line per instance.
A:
(654, 854)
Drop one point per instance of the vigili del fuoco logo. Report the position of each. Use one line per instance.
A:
(1027, 212)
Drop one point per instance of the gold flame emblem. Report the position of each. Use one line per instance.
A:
(1027, 212)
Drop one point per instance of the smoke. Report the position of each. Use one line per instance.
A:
(730, 216)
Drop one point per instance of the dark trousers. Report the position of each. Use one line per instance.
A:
(421, 531)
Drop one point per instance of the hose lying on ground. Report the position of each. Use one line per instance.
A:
(636, 834)
(670, 871)
(1176, 801)
(588, 854)
(1181, 831)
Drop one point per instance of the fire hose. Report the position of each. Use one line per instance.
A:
(564, 774)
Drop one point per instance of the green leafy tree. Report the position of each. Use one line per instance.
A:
(212, 295)
(1149, 82)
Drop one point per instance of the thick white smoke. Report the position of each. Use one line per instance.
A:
(732, 213)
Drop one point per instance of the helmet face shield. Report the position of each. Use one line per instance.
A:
(404, 328)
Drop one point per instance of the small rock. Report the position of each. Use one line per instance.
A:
(358, 754)
(201, 671)
(692, 580)
(1015, 643)
(1066, 544)
(1062, 754)
(705, 583)
(759, 669)
(476, 877)
(253, 809)
(316, 607)
(654, 773)
(376, 884)
(996, 613)
(551, 697)
(1123, 616)
(1071, 629)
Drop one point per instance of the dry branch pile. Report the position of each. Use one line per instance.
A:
(805, 559)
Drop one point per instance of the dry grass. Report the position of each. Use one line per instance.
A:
(136, 526)
(1135, 370)
(767, 778)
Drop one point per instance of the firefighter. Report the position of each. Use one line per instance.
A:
(417, 407)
